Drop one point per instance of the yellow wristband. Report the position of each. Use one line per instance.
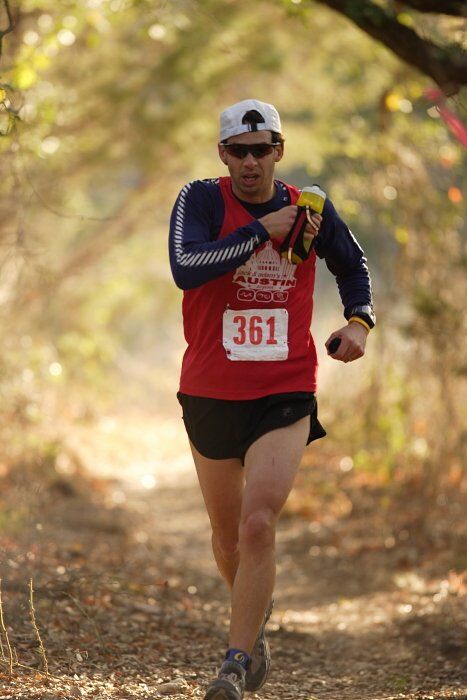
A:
(360, 320)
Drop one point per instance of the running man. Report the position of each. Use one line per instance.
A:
(248, 376)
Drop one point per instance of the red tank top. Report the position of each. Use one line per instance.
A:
(248, 331)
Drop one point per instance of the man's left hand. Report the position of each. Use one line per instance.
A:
(312, 228)
(353, 340)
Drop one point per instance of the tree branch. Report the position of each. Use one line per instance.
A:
(11, 23)
(446, 68)
(457, 8)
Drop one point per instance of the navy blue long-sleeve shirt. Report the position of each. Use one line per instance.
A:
(197, 256)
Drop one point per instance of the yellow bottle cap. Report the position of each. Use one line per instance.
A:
(313, 197)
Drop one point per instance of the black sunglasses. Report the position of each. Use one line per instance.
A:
(257, 150)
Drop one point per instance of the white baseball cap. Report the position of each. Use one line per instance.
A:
(234, 119)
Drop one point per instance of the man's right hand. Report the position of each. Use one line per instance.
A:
(279, 223)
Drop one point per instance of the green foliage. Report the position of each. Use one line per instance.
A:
(111, 105)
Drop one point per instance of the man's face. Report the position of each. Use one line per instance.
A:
(252, 178)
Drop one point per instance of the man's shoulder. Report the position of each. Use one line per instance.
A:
(201, 198)
(199, 195)
(203, 193)
(207, 186)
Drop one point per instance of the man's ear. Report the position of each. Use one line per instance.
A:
(222, 153)
(278, 153)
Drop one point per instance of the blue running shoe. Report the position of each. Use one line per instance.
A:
(258, 671)
(229, 684)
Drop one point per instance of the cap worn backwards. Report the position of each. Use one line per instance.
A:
(249, 115)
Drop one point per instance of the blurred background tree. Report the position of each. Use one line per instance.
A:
(429, 45)
(109, 106)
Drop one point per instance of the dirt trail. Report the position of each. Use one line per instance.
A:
(129, 603)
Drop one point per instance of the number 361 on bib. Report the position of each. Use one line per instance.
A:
(256, 334)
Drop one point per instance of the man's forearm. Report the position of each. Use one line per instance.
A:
(194, 263)
(355, 287)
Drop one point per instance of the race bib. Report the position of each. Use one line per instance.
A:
(256, 334)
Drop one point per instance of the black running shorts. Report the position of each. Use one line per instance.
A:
(221, 429)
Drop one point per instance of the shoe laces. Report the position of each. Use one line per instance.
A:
(232, 677)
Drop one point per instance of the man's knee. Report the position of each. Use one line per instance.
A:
(258, 529)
